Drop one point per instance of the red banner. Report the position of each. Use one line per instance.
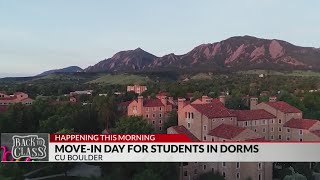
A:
(82, 138)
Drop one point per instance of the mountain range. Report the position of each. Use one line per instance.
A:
(235, 53)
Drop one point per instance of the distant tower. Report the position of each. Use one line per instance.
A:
(253, 103)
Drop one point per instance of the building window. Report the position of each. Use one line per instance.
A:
(224, 164)
(204, 127)
(288, 138)
(272, 129)
(160, 115)
(222, 119)
(238, 165)
(288, 130)
(147, 109)
(160, 128)
(212, 139)
(204, 167)
(147, 115)
(160, 122)
(153, 115)
(279, 136)
(212, 169)
(280, 129)
(153, 122)
(271, 137)
(255, 122)
(259, 177)
(204, 138)
(265, 122)
(255, 130)
(300, 132)
(195, 171)
(189, 125)
(160, 108)
(231, 119)
(238, 175)
(223, 174)
(192, 116)
(212, 120)
(264, 130)
(185, 173)
(259, 166)
(300, 139)
(186, 114)
(153, 109)
(279, 121)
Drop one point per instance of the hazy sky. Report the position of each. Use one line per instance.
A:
(38, 35)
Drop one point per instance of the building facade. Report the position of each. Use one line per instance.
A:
(155, 110)
(207, 119)
(137, 89)
(18, 97)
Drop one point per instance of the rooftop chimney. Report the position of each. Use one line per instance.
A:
(181, 103)
(253, 103)
(222, 99)
(272, 99)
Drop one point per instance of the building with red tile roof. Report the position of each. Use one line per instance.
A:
(18, 97)
(213, 110)
(249, 115)
(154, 110)
(301, 123)
(226, 131)
(208, 119)
(138, 89)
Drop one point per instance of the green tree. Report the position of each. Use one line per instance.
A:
(106, 108)
(147, 174)
(133, 125)
(294, 176)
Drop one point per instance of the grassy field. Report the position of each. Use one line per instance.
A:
(201, 76)
(121, 79)
(289, 73)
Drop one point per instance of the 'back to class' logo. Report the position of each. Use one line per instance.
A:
(30, 146)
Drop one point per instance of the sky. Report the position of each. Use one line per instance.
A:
(36, 36)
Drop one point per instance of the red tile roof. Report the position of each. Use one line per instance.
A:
(213, 110)
(152, 103)
(283, 107)
(226, 131)
(300, 123)
(247, 115)
(183, 130)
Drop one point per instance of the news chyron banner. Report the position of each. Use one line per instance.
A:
(147, 148)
